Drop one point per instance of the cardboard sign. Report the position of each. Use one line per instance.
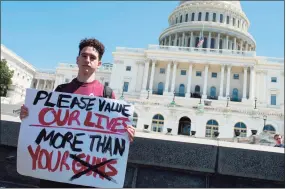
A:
(74, 139)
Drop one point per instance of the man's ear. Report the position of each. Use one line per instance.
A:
(99, 63)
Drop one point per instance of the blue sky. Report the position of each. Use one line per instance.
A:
(46, 33)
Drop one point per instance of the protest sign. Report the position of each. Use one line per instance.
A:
(74, 139)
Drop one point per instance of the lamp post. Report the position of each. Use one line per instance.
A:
(122, 94)
(174, 96)
(227, 100)
(148, 94)
(255, 99)
(265, 118)
(200, 98)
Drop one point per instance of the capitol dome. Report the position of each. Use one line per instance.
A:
(222, 24)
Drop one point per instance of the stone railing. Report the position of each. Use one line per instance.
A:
(133, 50)
(203, 50)
(46, 71)
(272, 59)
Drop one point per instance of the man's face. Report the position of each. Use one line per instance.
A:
(88, 60)
(278, 139)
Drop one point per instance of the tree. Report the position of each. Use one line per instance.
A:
(5, 77)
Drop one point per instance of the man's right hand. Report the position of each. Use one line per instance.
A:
(24, 112)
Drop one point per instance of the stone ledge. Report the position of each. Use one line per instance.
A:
(191, 154)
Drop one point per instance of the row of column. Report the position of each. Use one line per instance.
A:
(226, 44)
(49, 82)
(221, 96)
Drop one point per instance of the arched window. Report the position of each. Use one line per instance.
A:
(193, 17)
(181, 18)
(220, 44)
(160, 88)
(205, 42)
(157, 123)
(211, 127)
(135, 119)
(241, 127)
(269, 129)
(200, 16)
(182, 90)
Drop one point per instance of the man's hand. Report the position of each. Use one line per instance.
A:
(24, 112)
(131, 132)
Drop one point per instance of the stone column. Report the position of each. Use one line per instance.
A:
(145, 76)
(257, 88)
(44, 87)
(209, 40)
(246, 47)
(244, 83)
(227, 42)
(221, 82)
(205, 81)
(174, 76)
(188, 94)
(265, 87)
(218, 39)
(228, 80)
(183, 39)
(167, 79)
(170, 40)
(38, 82)
(241, 45)
(165, 41)
(234, 46)
(191, 39)
(176, 39)
(252, 83)
(152, 76)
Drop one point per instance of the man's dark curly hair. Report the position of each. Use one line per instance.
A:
(91, 42)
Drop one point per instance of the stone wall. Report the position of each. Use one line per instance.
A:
(163, 161)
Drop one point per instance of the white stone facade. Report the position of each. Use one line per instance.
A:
(234, 86)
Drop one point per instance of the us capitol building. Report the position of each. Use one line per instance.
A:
(218, 89)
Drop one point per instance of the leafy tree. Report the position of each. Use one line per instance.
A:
(5, 77)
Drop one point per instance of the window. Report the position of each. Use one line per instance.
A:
(211, 127)
(214, 17)
(269, 129)
(176, 20)
(162, 70)
(181, 18)
(128, 68)
(200, 16)
(106, 84)
(125, 86)
(198, 73)
(240, 127)
(135, 119)
(157, 123)
(197, 89)
(235, 76)
(227, 19)
(274, 79)
(273, 99)
(207, 16)
(233, 21)
(186, 18)
(183, 72)
(221, 18)
(212, 43)
(193, 16)
(238, 23)
(67, 80)
(214, 75)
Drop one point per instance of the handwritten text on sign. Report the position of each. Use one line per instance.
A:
(74, 139)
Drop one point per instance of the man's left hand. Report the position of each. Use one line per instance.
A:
(131, 132)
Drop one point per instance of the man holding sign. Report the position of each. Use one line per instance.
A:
(112, 117)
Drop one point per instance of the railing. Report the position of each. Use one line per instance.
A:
(134, 50)
(273, 59)
(203, 50)
(48, 71)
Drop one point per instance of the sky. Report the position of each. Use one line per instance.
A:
(48, 32)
